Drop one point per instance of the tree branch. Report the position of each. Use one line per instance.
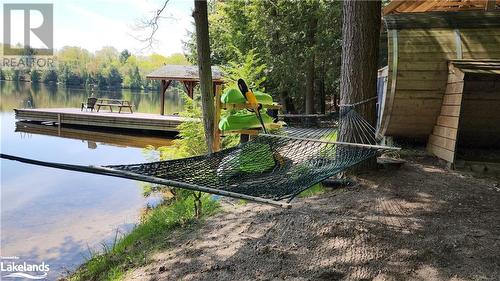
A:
(151, 25)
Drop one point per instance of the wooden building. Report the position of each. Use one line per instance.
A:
(186, 74)
(442, 79)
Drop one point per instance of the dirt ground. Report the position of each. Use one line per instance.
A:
(421, 222)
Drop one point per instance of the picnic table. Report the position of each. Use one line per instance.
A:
(114, 103)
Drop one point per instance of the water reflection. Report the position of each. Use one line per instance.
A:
(95, 136)
(56, 216)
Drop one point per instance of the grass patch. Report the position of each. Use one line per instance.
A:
(314, 190)
(149, 236)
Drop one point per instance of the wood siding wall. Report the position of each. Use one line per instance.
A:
(414, 101)
(442, 141)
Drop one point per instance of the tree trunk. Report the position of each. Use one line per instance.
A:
(200, 15)
(310, 66)
(360, 42)
(320, 89)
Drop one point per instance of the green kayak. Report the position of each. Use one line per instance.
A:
(243, 120)
(233, 95)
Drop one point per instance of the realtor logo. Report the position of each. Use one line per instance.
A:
(28, 25)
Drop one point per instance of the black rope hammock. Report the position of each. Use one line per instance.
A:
(270, 169)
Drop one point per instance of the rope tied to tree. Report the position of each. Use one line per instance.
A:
(358, 103)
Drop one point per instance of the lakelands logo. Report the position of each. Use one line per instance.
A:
(28, 25)
(10, 267)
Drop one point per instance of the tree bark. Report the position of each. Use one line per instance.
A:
(360, 42)
(310, 66)
(200, 15)
(320, 89)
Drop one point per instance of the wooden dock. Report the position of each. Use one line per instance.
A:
(118, 138)
(73, 116)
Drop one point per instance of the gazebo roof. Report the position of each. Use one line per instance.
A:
(182, 73)
(419, 6)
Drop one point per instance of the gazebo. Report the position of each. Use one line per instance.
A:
(187, 74)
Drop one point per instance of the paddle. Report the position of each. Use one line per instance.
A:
(251, 99)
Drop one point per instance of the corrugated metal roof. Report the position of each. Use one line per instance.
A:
(182, 73)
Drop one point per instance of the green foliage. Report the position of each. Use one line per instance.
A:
(248, 67)
(16, 75)
(2, 75)
(314, 190)
(106, 68)
(124, 55)
(191, 140)
(134, 80)
(49, 76)
(138, 247)
(277, 32)
(35, 76)
(114, 77)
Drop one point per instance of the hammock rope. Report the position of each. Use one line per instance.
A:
(268, 169)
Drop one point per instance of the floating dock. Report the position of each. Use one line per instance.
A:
(106, 119)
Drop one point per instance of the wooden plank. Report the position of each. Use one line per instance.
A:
(416, 108)
(486, 47)
(483, 35)
(446, 32)
(392, 6)
(432, 85)
(114, 120)
(432, 56)
(419, 95)
(426, 48)
(447, 40)
(445, 132)
(450, 110)
(455, 75)
(422, 66)
(454, 88)
(417, 103)
(447, 121)
(492, 31)
(482, 55)
(452, 78)
(442, 142)
(425, 6)
(423, 75)
(441, 153)
(425, 32)
(452, 99)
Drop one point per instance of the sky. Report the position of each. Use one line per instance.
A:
(93, 24)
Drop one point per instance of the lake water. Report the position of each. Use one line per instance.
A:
(56, 216)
